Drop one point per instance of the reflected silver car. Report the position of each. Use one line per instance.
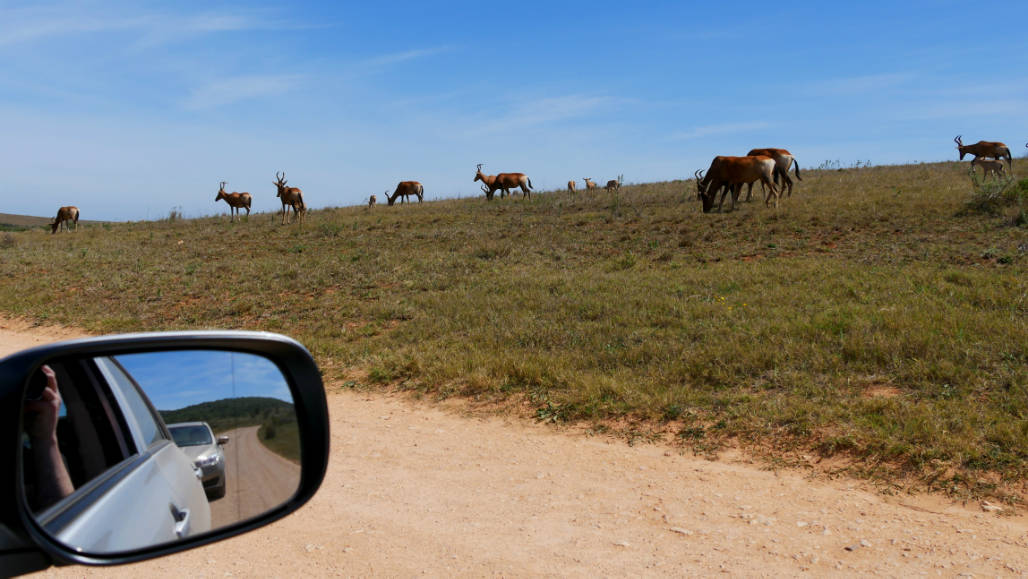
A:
(197, 440)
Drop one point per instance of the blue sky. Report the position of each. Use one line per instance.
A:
(130, 109)
(176, 379)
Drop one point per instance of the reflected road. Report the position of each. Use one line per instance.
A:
(257, 479)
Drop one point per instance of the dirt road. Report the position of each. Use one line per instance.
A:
(416, 489)
(257, 479)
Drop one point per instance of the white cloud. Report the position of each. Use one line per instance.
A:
(541, 112)
(860, 84)
(722, 129)
(240, 88)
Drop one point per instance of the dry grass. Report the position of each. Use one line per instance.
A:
(872, 319)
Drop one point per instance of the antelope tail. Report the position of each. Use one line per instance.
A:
(529, 182)
(797, 168)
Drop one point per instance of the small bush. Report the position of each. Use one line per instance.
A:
(991, 196)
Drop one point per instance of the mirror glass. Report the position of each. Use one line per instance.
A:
(130, 451)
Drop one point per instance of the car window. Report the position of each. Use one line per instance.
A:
(194, 435)
(146, 424)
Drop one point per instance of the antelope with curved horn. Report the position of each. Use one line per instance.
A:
(730, 174)
(613, 185)
(404, 190)
(236, 201)
(783, 161)
(65, 217)
(986, 149)
(504, 182)
(290, 197)
(589, 183)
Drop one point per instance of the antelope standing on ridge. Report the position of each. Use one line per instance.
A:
(994, 168)
(613, 185)
(372, 201)
(236, 201)
(589, 183)
(504, 182)
(290, 197)
(731, 173)
(404, 190)
(987, 149)
(571, 187)
(783, 160)
(65, 217)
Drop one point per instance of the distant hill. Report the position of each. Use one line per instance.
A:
(233, 412)
(10, 221)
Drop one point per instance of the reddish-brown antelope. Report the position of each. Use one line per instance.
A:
(985, 149)
(404, 190)
(66, 216)
(290, 197)
(613, 185)
(783, 161)
(504, 182)
(589, 183)
(990, 167)
(571, 187)
(730, 174)
(236, 201)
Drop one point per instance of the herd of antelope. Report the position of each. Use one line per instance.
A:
(725, 175)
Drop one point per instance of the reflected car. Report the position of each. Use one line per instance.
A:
(197, 440)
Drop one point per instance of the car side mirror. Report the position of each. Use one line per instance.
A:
(137, 424)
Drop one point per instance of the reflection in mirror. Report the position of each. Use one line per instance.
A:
(125, 452)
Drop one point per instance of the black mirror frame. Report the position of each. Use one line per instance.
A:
(28, 548)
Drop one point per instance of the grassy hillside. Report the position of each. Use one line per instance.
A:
(871, 319)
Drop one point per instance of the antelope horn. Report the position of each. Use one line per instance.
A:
(480, 166)
(958, 141)
(698, 174)
(223, 183)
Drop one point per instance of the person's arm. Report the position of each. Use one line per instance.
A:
(52, 477)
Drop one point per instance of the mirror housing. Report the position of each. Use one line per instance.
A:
(223, 440)
(25, 547)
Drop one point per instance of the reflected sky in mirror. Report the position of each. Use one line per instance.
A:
(213, 375)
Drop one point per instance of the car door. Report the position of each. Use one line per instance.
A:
(151, 496)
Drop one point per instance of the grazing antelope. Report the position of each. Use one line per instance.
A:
(290, 197)
(571, 187)
(236, 201)
(783, 161)
(65, 217)
(613, 185)
(504, 182)
(989, 167)
(372, 201)
(589, 183)
(731, 173)
(986, 149)
(405, 189)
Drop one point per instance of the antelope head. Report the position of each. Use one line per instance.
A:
(221, 191)
(960, 146)
(280, 182)
(701, 188)
(478, 175)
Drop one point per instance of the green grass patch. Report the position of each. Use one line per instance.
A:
(872, 318)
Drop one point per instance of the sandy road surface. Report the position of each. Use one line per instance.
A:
(257, 479)
(414, 489)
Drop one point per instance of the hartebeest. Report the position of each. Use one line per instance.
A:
(589, 183)
(65, 217)
(985, 149)
(372, 200)
(989, 167)
(236, 201)
(504, 182)
(783, 161)
(613, 185)
(571, 187)
(731, 173)
(405, 189)
(290, 197)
